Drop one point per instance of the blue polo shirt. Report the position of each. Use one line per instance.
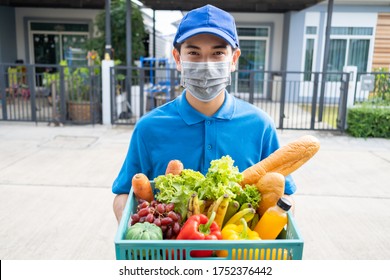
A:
(176, 130)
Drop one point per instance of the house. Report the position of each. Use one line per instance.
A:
(275, 37)
(284, 40)
(47, 35)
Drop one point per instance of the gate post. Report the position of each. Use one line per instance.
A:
(282, 99)
(314, 101)
(63, 98)
(3, 92)
(106, 91)
(251, 87)
(343, 101)
(31, 87)
(351, 86)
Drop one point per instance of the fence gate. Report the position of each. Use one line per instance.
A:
(50, 93)
(296, 100)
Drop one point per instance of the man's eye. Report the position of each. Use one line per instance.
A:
(193, 53)
(219, 53)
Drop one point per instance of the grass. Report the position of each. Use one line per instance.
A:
(329, 113)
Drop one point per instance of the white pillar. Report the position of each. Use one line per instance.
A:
(106, 91)
(352, 84)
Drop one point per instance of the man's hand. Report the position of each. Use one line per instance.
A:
(119, 205)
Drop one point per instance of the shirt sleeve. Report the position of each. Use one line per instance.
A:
(136, 161)
(269, 146)
(290, 186)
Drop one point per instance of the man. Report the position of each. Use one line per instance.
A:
(205, 122)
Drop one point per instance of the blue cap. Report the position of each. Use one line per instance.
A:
(207, 19)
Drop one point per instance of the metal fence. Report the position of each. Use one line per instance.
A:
(50, 93)
(372, 88)
(135, 91)
(295, 100)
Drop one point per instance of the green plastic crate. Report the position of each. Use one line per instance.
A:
(288, 245)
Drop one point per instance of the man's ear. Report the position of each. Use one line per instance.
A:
(236, 55)
(176, 56)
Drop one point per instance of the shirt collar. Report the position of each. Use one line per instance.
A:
(192, 116)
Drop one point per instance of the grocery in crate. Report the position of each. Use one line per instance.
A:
(224, 214)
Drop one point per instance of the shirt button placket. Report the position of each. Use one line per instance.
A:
(209, 141)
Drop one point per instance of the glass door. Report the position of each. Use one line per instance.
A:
(53, 42)
(46, 48)
(73, 49)
(254, 53)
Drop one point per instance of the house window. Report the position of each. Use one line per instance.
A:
(53, 42)
(253, 32)
(351, 31)
(254, 55)
(309, 53)
(311, 30)
(348, 46)
(358, 54)
(310, 35)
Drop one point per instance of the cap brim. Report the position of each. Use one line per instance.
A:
(212, 31)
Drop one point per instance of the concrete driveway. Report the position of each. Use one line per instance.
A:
(56, 200)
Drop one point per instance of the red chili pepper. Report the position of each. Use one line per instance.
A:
(199, 227)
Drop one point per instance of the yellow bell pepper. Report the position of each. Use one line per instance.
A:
(242, 232)
(237, 232)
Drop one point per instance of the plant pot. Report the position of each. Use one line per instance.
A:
(83, 111)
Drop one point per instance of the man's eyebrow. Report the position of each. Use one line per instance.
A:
(191, 47)
(198, 48)
(220, 47)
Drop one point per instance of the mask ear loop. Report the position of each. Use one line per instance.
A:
(182, 81)
(230, 72)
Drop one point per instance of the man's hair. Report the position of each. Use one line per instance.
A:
(178, 47)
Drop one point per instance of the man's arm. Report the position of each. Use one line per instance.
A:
(119, 205)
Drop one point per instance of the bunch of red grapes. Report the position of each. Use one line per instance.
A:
(160, 214)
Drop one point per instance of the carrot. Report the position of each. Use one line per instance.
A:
(142, 187)
(174, 167)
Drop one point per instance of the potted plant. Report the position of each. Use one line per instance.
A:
(83, 105)
(81, 86)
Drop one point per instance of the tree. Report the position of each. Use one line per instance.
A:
(118, 32)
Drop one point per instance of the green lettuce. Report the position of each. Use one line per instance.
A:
(249, 194)
(177, 189)
(221, 178)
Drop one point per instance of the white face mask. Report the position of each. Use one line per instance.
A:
(205, 80)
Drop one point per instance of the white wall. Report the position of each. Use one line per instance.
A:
(53, 15)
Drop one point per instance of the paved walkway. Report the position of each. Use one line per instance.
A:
(56, 200)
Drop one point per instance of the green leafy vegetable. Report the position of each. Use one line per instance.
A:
(249, 194)
(177, 189)
(221, 178)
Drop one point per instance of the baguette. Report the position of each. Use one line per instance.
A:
(271, 187)
(284, 160)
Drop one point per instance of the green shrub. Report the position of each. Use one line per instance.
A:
(382, 85)
(367, 121)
